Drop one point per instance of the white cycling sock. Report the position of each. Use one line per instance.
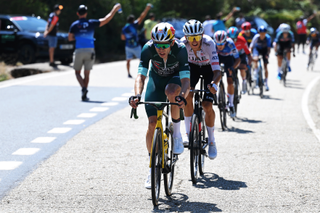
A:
(187, 123)
(279, 69)
(211, 134)
(176, 129)
(266, 81)
(230, 97)
(244, 81)
(289, 63)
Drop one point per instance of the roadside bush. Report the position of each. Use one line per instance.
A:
(3, 74)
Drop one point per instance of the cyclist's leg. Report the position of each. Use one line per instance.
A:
(255, 59)
(243, 68)
(280, 57)
(264, 53)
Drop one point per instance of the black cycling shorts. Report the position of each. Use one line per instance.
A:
(282, 46)
(243, 58)
(314, 43)
(207, 73)
(228, 62)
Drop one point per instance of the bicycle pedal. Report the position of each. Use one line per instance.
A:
(203, 152)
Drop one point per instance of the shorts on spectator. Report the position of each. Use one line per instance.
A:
(52, 41)
(302, 38)
(83, 56)
(133, 51)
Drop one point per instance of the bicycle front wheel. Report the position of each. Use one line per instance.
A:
(169, 161)
(236, 94)
(194, 148)
(260, 82)
(156, 166)
(222, 107)
(203, 143)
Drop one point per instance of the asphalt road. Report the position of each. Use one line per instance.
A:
(268, 160)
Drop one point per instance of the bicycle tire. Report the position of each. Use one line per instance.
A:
(222, 107)
(156, 166)
(249, 82)
(168, 178)
(203, 141)
(194, 148)
(236, 94)
(260, 83)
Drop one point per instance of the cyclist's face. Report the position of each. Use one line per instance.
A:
(262, 35)
(194, 42)
(163, 53)
(285, 35)
(247, 32)
(221, 47)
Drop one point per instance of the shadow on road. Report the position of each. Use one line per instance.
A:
(95, 102)
(209, 180)
(179, 203)
(240, 131)
(239, 119)
(271, 98)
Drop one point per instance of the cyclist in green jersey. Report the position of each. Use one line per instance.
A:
(169, 77)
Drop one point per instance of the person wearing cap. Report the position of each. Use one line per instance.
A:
(130, 35)
(82, 31)
(302, 31)
(51, 32)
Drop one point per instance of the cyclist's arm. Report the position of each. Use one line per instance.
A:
(110, 15)
(253, 42)
(214, 62)
(235, 54)
(184, 72)
(143, 69)
(139, 84)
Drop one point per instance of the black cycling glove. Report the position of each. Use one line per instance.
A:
(180, 98)
(132, 98)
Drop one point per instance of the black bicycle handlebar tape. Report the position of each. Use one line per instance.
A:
(181, 99)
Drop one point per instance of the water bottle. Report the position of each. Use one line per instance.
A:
(238, 8)
(120, 10)
(149, 4)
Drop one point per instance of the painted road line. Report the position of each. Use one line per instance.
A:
(120, 99)
(305, 108)
(87, 115)
(110, 104)
(74, 122)
(43, 140)
(60, 130)
(9, 165)
(99, 109)
(127, 94)
(26, 151)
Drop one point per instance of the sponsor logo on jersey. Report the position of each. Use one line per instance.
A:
(215, 57)
(215, 63)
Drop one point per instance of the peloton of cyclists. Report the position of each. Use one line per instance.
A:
(284, 41)
(203, 60)
(229, 56)
(314, 40)
(260, 45)
(247, 32)
(244, 53)
(169, 77)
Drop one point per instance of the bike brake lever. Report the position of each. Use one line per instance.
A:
(134, 113)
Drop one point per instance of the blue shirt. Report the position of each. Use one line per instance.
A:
(229, 49)
(131, 33)
(83, 30)
(219, 25)
(280, 38)
(260, 44)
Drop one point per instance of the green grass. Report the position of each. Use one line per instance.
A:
(3, 74)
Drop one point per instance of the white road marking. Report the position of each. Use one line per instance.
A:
(119, 99)
(43, 140)
(74, 122)
(26, 151)
(9, 165)
(110, 104)
(127, 94)
(60, 130)
(99, 109)
(305, 108)
(87, 115)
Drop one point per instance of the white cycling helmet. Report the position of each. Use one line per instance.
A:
(162, 32)
(313, 30)
(285, 28)
(193, 27)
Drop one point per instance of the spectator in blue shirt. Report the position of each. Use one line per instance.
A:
(130, 35)
(220, 24)
(82, 31)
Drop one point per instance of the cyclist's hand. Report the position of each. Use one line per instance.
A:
(133, 100)
(231, 70)
(181, 101)
(213, 88)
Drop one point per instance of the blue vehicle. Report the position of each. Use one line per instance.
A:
(177, 23)
(256, 22)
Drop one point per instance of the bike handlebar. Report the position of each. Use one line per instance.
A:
(157, 105)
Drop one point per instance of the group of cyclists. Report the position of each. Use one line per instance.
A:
(176, 67)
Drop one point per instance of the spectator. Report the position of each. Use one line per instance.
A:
(239, 21)
(148, 25)
(51, 32)
(302, 31)
(130, 35)
(207, 25)
(82, 32)
(220, 24)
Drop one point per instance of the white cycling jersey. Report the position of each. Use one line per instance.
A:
(206, 56)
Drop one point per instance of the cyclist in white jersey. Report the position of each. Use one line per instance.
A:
(203, 60)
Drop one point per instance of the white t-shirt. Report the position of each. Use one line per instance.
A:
(206, 56)
(207, 26)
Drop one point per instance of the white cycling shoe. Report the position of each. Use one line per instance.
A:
(177, 146)
(212, 151)
(185, 140)
(147, 184)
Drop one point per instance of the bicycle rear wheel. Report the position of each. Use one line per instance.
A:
(222, 103)
(260, 83)
(194, 148)
(168, 177)
(236, 94)
(249, 81)
(156, 166)
(203, 143)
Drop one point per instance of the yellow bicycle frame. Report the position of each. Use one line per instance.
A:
(160, 126)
